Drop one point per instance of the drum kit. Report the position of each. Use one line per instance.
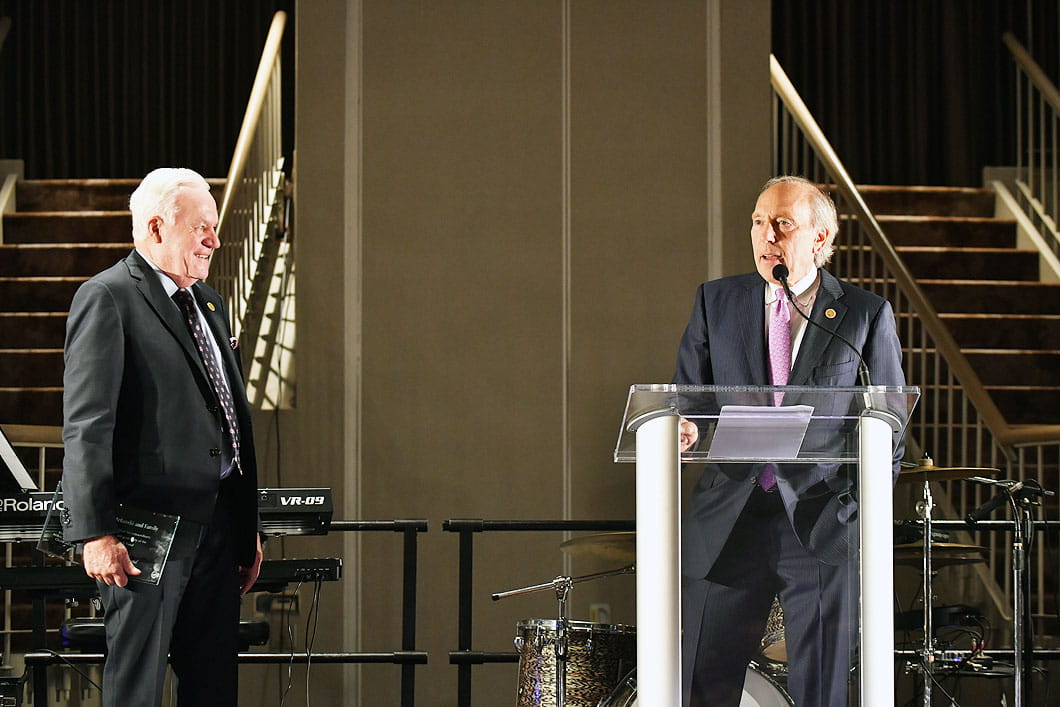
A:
(566, 663)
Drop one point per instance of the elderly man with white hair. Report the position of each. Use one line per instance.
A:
(156, 418)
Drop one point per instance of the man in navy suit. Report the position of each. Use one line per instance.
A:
(156, 417)
(753, 532)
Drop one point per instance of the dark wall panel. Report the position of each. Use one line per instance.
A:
(913, 91)
(116, 88)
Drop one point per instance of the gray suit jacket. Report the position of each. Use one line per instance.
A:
(142, 424)
(724, 344)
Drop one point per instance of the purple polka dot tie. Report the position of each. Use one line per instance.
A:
(779, 365)
(213, 371)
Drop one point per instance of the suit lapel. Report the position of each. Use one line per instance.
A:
(752, 331)
(815, 339)
(164, 307)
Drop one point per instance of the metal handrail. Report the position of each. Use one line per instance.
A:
(993, 419)
(1037, 143)
(253, 194)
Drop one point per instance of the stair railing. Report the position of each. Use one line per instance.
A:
(252, 267)
(956, 420)
(1037, 144)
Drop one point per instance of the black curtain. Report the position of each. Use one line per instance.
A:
(115, 88)
(913, 91)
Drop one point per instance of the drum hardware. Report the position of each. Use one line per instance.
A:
(942, 554)
(615, 547)
(925, 472)
(561, 586)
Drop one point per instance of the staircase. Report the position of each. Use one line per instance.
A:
(986, 290)
(62, 233)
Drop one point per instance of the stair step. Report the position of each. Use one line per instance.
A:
(1015, 368)
(74, 194)
(928, 201)
(32, 330)
(84, 194)
(992, 296)
(971, 263)
(1004, 331)
(38, 294)
(60, 259)
(68, 227)
(953, 232)
(31, 406)
(1027, 405)
(31, 368)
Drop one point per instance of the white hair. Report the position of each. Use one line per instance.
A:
(824, 214)
(157, 193)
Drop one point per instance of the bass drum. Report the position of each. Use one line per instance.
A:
(759, 690)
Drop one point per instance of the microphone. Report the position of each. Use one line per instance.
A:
(987, 508)
(780, 274)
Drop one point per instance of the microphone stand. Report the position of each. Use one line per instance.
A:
(1021, 498)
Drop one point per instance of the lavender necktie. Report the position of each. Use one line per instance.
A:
(779, 365)
(213, 370)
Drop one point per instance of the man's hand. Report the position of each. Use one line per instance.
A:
(107, 560)
(249, 575)
(688, 434)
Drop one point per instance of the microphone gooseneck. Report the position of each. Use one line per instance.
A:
(780, 274)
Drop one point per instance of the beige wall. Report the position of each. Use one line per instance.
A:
(502, 212)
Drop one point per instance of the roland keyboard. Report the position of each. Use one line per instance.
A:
(71, 580)
(283, 511)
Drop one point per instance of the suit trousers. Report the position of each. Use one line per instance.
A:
(191, 617)
(724, 614)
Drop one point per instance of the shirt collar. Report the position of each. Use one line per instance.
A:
(806, 286)
(166, 280)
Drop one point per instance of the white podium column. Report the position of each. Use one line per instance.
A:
(876, 563)
(658, 563)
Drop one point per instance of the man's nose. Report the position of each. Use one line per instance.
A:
(771, 234)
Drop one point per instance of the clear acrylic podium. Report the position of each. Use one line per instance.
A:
(813, 427)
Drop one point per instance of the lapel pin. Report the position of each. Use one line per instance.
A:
(829, 313)
(234, 343)
(209, 306)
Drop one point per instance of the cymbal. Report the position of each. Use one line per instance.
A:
(942, 554)
(927, 471)
(617, 547)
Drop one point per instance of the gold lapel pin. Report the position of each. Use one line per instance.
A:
(209, 306)
(829, 313)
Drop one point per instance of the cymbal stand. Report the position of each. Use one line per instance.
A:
(562, 586)
(927, 653)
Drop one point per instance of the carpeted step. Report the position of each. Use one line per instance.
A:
(68, 227)
(31, 368)
(999, 367)
(32, 330)
(31, 406)
(951, 232)
(60, 259)
(84, 194)
(74, 194)
(1027, 405)
(1004, 331)
(928, 201)
(38, 294)
(992, 296)
(971, 263)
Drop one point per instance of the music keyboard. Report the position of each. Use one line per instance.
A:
(283, 511)
(71, 579)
